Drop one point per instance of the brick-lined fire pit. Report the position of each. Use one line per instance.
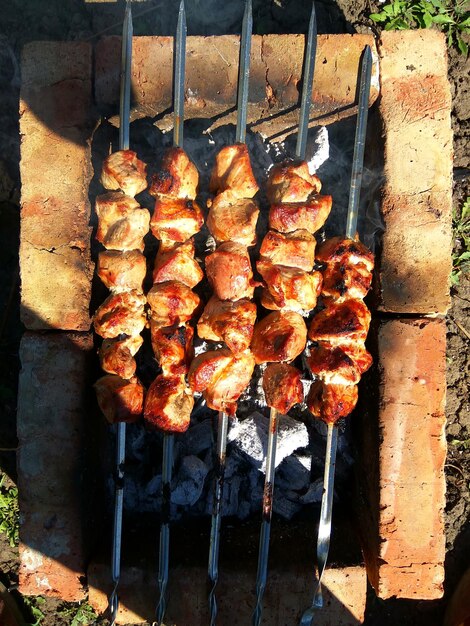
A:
(400, 471)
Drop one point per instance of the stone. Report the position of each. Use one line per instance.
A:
(188, 483)
(401, 460)
(415, 105)
(55, 126)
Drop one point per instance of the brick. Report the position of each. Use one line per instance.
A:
(415, 107)
(403, 452)
(51, 425)
(55, 125)
(287, 595)
(275, 75)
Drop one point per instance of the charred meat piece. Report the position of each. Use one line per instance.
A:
(122, 224)
(282, 386)
(172, 303)
(173, 347)
(168, 404)
(122, 271)
(123, 170)
(292, 182)
(331, 402)
(289, 288)
(280, 336)
(222, 377)
(178, 263)
(229, 272)
(343, 281)
(233, 171)
(291, 216)
(338, 324)
(333, 365)
(117, 356)
(120, 400)
(175, 220)
(358, 353)
(231, 322)
(177, 177)
(233, 219)
(296, 249)
(343, 250)
(121, 314)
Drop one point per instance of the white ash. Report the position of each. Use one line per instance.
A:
(319, 147)
(250, 436)
(187, 485)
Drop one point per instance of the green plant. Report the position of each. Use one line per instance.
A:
(461, 232)
(32, 606)
(9, 512)
(77, 614)
(450, 16)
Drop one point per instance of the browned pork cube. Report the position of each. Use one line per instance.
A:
(120, 400)
(289, 288)
(231, 322)
(233, 219)
(123, 170)
(333, 365)
(331, 402)
(178, 263)
(173, 347)
(175, 220)
(168, 404)
(177, 177)
(229, 272)
(338, 324)
(117, 356)
(292, 182)
(291, 216)
(279, 337)
(122, 271)
(282, 386)
(232, 170)
(121, 314)
(172, 303)
(122, 224)
(296, 249)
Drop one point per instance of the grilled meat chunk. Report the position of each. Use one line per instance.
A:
(121, 314)
(338, 324)
(343, 250)
(358, 353)
(290, 216)
(123, 170)
(280, 336)
(117, 356)
(175, 220)
(120, 400)
(343, 281)
(289, 288)
(229, 272)
(333, 365)
(122, 224)
(172, 303)
(233, 171)
(222, 377)
(282, 386)
(178, 263)
(232, 218)
(330, 402)
(173, 347)
(177, 177)
(168, 404)
(122, 271)
(292, 182)
(231, 322)
(296, 249)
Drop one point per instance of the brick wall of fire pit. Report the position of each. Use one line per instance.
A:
(401, 420)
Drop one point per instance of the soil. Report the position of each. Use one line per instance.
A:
(27, 20)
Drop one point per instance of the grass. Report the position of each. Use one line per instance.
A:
(452, 17)
(77, 614)
(461, 233)
(9, 512)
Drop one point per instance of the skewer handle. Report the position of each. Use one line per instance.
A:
(179, 77)
(263, 554)
(244, 73)
(117, 526)
(309, 70)
(359, 143)
(213, 566)
(164, 544)
(125, 90)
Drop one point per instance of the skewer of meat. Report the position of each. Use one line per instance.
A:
(286, 262)
(176, 218)
(122, 224)
(229, 316)
(339, 357)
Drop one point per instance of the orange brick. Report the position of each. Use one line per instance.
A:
(403, 454)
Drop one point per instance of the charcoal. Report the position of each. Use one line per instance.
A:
(283, 506)
(188, 483)
(197, 438)
(292, 474)
(314, 492)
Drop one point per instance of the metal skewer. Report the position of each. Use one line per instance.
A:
(301, 146)
(168, 438)
(324, 528)
(240, 136)
(124, 114)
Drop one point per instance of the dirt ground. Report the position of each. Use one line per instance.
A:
(26, 20)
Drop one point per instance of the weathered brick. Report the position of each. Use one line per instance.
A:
(52, 408)
(55, 116)
(287, 595)
(402, 467)
(275, 75)
(415, 106)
